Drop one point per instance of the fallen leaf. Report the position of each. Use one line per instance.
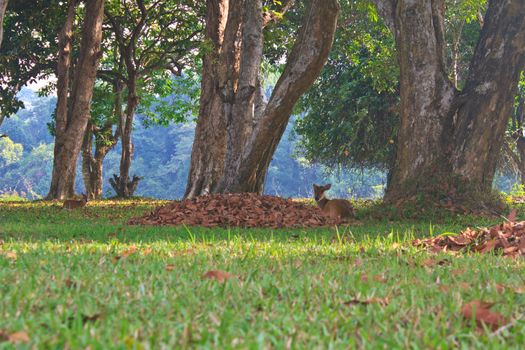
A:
(127, 252)
(18, 337)
(380, 278)
(364, 277)
(218, 275)
(443, 288)
(519, 290)
(10, 255)
(480, 310)
(147, 251)
(500, 288)
(170, 267)
(512, 215)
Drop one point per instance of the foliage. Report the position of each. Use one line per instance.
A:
(94, 281)
(170, 99)
(10, 152)
(350, 117)
(29, 48)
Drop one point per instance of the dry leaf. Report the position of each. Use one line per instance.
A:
(170, 267)
(500, 288)
(147, 251)
(364, 277)
(127, 252)
(483, 315)
(10, 255)
(380, 278)
(218, 275)
(519, 290)
(18, 337)
(237, 209)
(507, 238)
(443, 288)
(512, 215)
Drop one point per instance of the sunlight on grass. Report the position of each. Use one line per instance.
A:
(84, 278)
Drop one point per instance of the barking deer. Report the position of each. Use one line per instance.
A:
(335, 208)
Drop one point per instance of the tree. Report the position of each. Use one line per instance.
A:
(237, 130)
(152, 36)
(106, 111)
(29, 49)
(349, 116)
(450, 136)
(73, 106)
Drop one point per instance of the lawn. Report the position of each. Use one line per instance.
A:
(85, 279)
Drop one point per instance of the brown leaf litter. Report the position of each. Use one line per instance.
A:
(483, 315)
(507, 239)
(237, 210)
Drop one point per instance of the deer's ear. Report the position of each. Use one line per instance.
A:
(327, 187)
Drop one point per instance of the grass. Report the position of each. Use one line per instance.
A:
(78, 282)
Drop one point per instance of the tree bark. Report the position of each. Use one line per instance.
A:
(486, 103)
(254, 127)
(124, 188)
(209, 146)
(3, 6)
(68, 141)
(307, 58)
(93, 165)
(446, 134)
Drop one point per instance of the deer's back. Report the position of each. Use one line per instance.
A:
(339, 208)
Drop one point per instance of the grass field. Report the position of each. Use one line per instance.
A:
(84, 279)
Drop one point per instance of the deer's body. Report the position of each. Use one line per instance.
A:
(335, 208)
(74, 203)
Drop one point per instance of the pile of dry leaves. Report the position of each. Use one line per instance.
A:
(507, 238)
(236, 210)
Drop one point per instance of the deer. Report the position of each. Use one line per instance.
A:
(334, 208)
(75, 203)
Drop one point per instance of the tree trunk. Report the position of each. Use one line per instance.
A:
(307, 58)
(486, 103)
(3, 6)
(445, 134)
(209, 146)
(93, 165)
(71, 125)
(124, 186)
(254, 128)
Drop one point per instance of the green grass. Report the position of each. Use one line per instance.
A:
(67, 289)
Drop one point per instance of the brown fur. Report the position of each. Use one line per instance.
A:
(335, 208)
(74, 203)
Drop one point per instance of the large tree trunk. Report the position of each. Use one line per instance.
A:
(68, 140)
(3, 6)
(254, 128)
(209, 146)
(486, 103)
(307, 58)
(445, 134)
